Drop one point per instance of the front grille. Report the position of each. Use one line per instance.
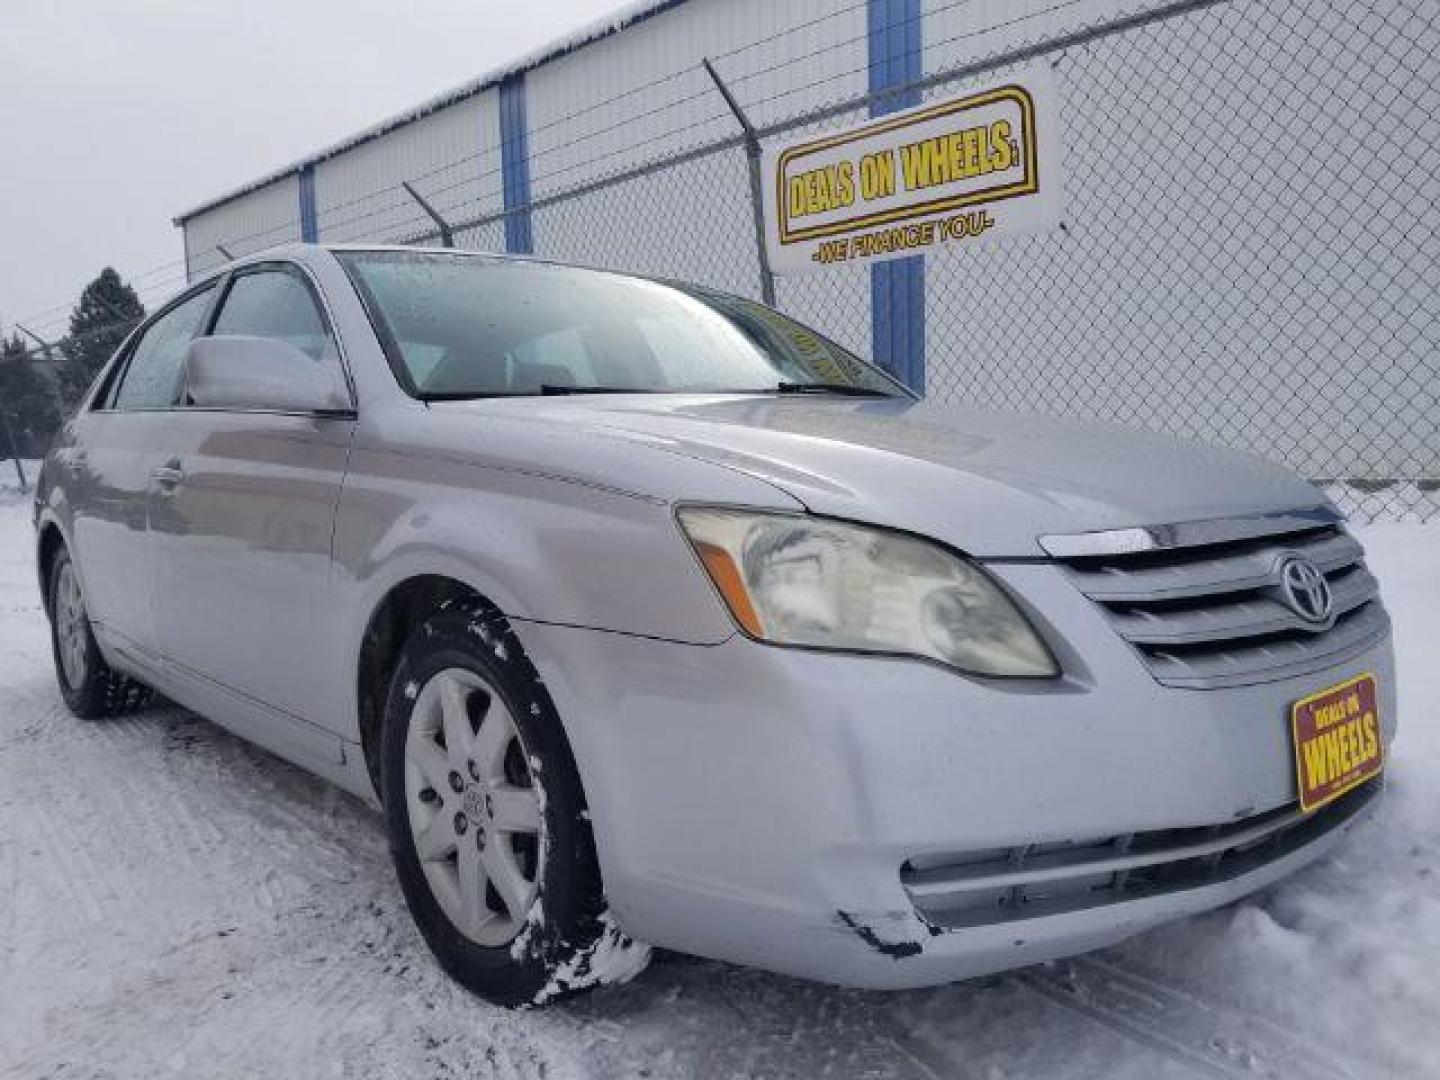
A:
(1001, 884)
(1210, 616)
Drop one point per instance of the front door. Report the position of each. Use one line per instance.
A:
(241, 534)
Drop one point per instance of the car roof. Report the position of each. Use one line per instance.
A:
(301, 251)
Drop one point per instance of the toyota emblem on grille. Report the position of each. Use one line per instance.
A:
(1305, 589)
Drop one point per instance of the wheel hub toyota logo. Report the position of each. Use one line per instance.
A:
(1305, 590)
(474, 802)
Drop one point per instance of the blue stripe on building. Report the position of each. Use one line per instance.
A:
(897, 289)
(309, 226)
(515, 165)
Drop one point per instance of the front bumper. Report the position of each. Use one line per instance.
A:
(757, 804)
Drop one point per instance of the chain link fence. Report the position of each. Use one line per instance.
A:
(42, 384)
(1252, 227)
(1248, 253)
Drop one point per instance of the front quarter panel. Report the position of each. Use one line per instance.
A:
(544, 545)
(540, 548)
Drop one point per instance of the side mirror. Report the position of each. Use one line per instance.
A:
(234, 372)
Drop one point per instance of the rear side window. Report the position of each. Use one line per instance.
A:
(276, 304)
(155, 375)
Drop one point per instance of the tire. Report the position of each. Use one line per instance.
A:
(506, 808)
(90, 687)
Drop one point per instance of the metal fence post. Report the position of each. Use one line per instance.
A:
(447, 239)
(61, 408)
(757, 206)
(14, 449)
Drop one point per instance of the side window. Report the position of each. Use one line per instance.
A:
(274, 304)
(156, 370)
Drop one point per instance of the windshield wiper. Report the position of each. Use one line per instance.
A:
(562, 390)
(428, 396)
(847, 389)
(557, 390)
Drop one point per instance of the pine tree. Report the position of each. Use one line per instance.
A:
(28, 399)
(108, 310)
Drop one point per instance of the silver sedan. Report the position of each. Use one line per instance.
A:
(649, 615)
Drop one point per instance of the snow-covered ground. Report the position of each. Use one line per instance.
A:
(174, 902)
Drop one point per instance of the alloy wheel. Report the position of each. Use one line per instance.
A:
(473, 805)
(70, 625)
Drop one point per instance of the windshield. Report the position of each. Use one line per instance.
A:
(464, 326)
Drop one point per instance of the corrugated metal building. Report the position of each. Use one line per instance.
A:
(1251, 200)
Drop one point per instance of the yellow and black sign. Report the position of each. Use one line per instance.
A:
(950, 171)
(1337, 740)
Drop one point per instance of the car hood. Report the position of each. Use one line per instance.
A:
(988, 483)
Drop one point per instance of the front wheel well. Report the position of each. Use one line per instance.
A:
(402, 609)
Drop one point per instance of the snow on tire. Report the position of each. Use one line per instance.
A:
(487, 820)
(90, 687)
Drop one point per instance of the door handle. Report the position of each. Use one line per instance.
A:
(167, 476)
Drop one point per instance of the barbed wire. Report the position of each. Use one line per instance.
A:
(1106, 319)
(538, 155)
(290, 228)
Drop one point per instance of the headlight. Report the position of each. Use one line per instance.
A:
(798, 580)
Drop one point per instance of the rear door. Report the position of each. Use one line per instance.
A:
(242, 532)
(111, 476)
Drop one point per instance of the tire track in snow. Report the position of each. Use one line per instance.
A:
(720, 1020)
(1292, 1053)
(156, 817)
(150, 818)
(53, 826)
(1118, 1023)
(9, 898)
(34, 714)
(190, 803)
(1207, 1038)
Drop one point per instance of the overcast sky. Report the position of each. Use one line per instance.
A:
(115, 115)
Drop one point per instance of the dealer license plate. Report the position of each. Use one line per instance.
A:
(1337, 740)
